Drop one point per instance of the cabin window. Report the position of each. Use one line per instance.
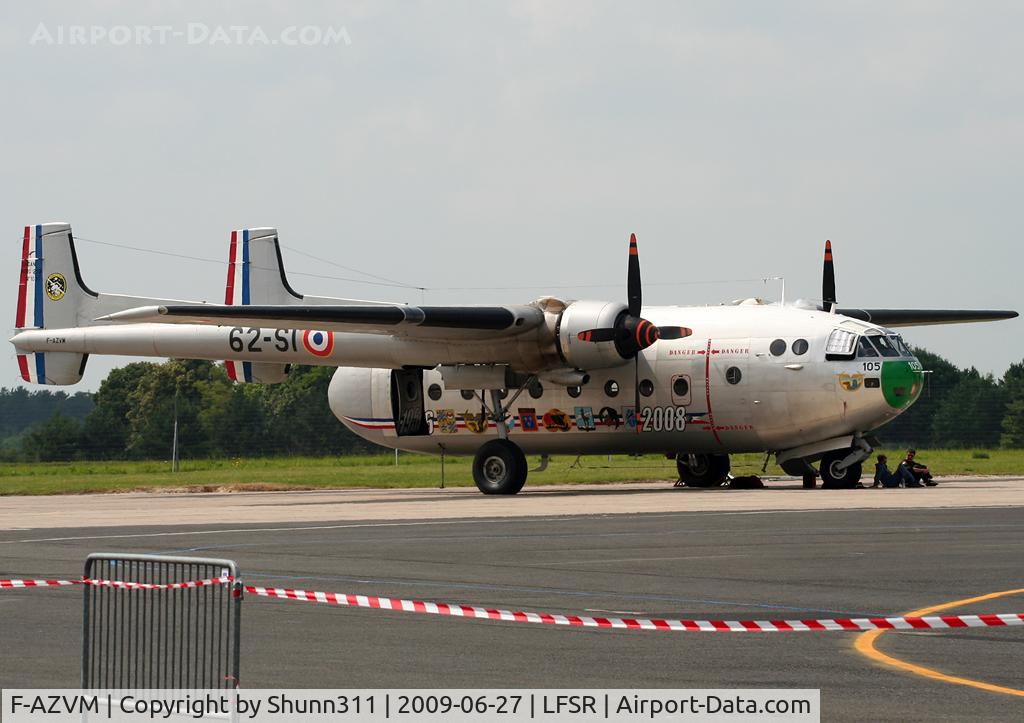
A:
(434, 391)
(800, 347)
(574, 391)
(467, 394)
(680, 387)
(536, 390)
(647, 387)
(611, 388)
(778, 347)
(733, 375)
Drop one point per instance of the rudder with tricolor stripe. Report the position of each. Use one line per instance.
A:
(256, 276)
(51, 295)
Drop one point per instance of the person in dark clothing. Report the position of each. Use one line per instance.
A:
(890, 480)
(919, 471)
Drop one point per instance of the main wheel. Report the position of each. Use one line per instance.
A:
(702, 470)
(499, 468)
(834, 478)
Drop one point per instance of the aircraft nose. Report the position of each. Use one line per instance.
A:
(902, 382)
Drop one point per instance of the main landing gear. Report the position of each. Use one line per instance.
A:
(499, 468)
(702, 470)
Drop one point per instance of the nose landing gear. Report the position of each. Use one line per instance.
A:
(837, 472)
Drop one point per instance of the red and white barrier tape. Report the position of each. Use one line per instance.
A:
(721, 626)
(117, 583)
(152, 586)
(936, 622)
(37, 583)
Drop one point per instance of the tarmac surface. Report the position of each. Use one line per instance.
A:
(623, 550)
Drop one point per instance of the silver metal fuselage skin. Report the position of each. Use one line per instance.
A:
(720, 390)
(779, 402)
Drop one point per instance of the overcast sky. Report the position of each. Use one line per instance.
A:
(467, 144)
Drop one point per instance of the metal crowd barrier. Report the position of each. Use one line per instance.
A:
(185, 638)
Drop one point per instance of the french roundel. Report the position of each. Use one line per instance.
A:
(318, 343)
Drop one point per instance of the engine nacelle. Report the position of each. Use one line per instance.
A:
(584, 316)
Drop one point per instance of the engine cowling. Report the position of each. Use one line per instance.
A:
(580, 316)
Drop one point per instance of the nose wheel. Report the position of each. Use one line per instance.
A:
(837, 472)
(499, 468)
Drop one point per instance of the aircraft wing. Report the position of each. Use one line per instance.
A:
(395, 319)
(923, 317)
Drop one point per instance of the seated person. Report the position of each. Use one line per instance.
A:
(919, 472)
(890, 480)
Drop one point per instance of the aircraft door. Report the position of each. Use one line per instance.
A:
(729, 392)
(771, 385)
(407, 403)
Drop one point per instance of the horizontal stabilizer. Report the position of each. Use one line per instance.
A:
(52, 367)
(924, 317)
(251, 372)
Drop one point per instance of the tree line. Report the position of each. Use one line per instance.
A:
(132, 415)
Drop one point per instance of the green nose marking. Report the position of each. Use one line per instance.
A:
(901, 382)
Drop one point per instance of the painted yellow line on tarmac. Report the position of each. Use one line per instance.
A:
(865, 645)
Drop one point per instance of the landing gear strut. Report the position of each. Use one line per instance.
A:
(499, 468)
(702, 470)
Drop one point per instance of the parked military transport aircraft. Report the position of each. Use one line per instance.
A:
(804, 381)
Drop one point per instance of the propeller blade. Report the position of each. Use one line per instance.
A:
(597, 335)
(633, 293)
(828, 279)
(673, 332)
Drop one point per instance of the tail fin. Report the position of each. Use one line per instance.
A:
(256, 276)
(51, 295)
(256, 271)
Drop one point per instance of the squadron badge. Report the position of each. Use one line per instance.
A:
(476, 423)
(851, 382)
(555, 420)
(56, 286)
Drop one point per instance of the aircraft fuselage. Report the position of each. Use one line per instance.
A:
(750, 378)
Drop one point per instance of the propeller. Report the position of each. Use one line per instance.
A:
(828, 279)
(631, 333)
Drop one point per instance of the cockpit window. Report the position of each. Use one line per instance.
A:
(865, 349)
(885, 346)
(901, 345)
(841, 344)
